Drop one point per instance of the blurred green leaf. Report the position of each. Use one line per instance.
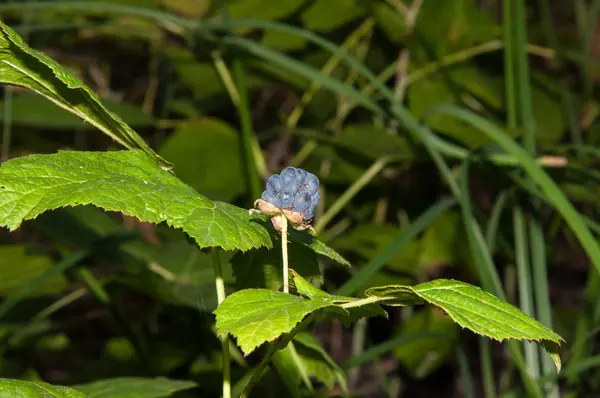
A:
(424, 356)
(10, 388)
(327, 15)
(26, 67)
(283, 41)
(134, 387)
(202, 77)
(318, 362)
(287, 368)
(174, 272)
(197, 148)
(125, 181)
(188, 8)
(455, 25)
(307, 240)
(18, 267)
(389, 20)
(369, 239)
(425, 94)
(263, 9)
(374, 142)
(127, 28)
(548, 114)
(444, 242)
(35, 111)
(489, 89)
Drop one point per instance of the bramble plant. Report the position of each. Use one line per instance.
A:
(137, 182)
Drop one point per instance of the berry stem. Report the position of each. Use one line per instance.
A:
(220, 285)
(284, 254)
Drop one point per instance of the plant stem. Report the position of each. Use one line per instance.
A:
(284, 254)
(220, 284)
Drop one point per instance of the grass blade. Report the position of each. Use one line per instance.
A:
(554, 194)
(404, 237)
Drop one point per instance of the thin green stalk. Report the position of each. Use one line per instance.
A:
(35, 323)
(358, 344)
(554, 195)
(525, 288)
(37, 282)
(351, 192)
(248, 136)
(487, 271)
(537, 267)
(491, 231)
(220, 285)
(284, 254)
(102, 295)
(301, 366)
(237, 89)
(487, 371)
(332, 63)
(463, 364)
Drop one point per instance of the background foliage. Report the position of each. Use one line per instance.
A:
(229, 92)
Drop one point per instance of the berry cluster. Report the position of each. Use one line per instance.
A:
(293, 189)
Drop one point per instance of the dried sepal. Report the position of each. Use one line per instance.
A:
(295, 219)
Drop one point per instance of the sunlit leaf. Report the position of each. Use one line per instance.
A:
(129, 387)
(476, 310)
(255, 316)
(35, 389)
(124, 181)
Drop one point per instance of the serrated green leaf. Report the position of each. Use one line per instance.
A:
(125, 181)
(11, 388)
(255, 316)
(476, 310)
(129, 387)
(23, 66)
